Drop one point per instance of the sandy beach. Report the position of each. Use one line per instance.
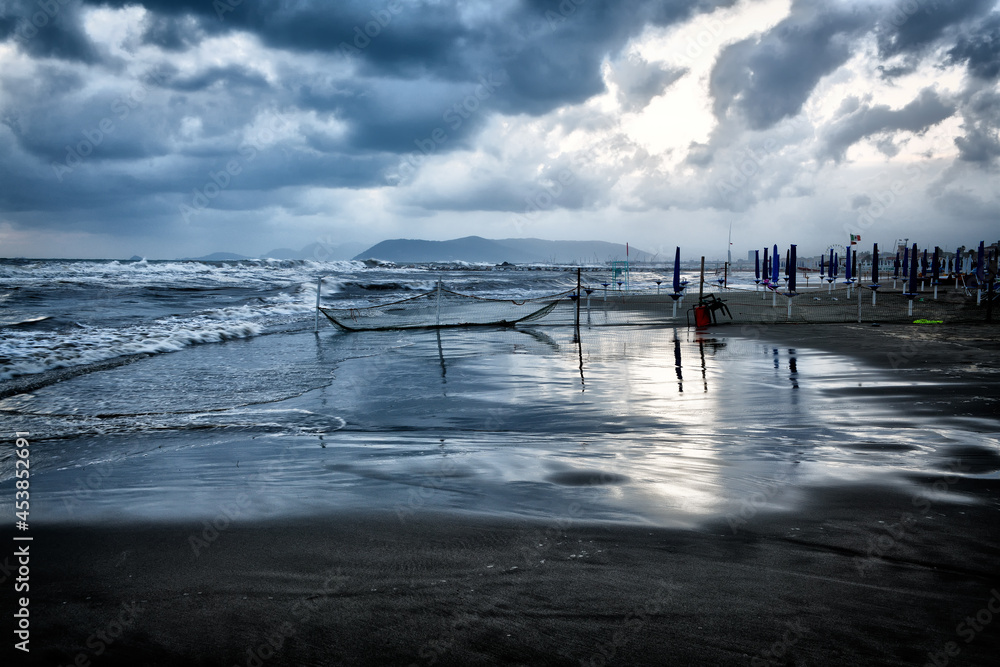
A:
(878, 550)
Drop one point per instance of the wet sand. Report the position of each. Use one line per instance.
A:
(853, 572)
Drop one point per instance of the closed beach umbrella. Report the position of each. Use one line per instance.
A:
(833, 265)
(821, 271)
(847, 267)
(980, 263)
(677, 270)
(875, 264)
(790, 269)
(836, 264)
(774, 265)
(913, 270)
(923, 263)
(767, 265)
(756, 265)
(895, 266)
(936, 266)
(906, 262)
(854, 263)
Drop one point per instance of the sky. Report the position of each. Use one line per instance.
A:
(169, 129)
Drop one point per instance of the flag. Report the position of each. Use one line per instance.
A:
(855, 238)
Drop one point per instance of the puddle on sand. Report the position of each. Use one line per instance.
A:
(652, 425)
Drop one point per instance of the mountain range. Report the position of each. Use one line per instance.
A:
(496, 251)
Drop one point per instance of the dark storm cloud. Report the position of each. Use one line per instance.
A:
(981, 123)
(980, 49)
(770, 78)
(367, 86)
(233, 76)
(48, 29)
(867, 120)
(908, 26)
(175, 33)
(552, 50)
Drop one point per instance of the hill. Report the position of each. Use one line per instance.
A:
(515, 251)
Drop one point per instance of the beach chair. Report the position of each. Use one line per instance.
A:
(714, 305)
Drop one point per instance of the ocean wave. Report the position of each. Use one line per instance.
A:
(114, 274)
(28, 352)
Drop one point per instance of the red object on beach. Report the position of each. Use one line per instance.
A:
(702, 318)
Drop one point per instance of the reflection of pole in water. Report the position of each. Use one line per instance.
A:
(704, 376)
(579, 350)
(677, 362)
(793, 370)
(444, 370)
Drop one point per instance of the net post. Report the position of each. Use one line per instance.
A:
(701, 281)
(319, 289)
(439, 302)
(578, 295)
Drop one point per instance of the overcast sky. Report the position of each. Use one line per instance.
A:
(180, 128)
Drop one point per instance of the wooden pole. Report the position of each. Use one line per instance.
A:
(701, 280)
(319, 289)
(438, 319)
(578, 296)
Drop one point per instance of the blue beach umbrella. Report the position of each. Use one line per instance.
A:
(980, 263)
(756, 266)
(847, 267)
(854, 264)
(923, 263)
(677, 270)
(875, 264)
(913, 270)
(895, 267)
(767, 266)
(936, 266)
(790, 268)
(906, 262)
(775, 262)
(822, 272)
(836, 264)
(832, 273)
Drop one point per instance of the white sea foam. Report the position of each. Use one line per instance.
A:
(30, 351)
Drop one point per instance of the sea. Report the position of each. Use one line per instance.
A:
(156, 391)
